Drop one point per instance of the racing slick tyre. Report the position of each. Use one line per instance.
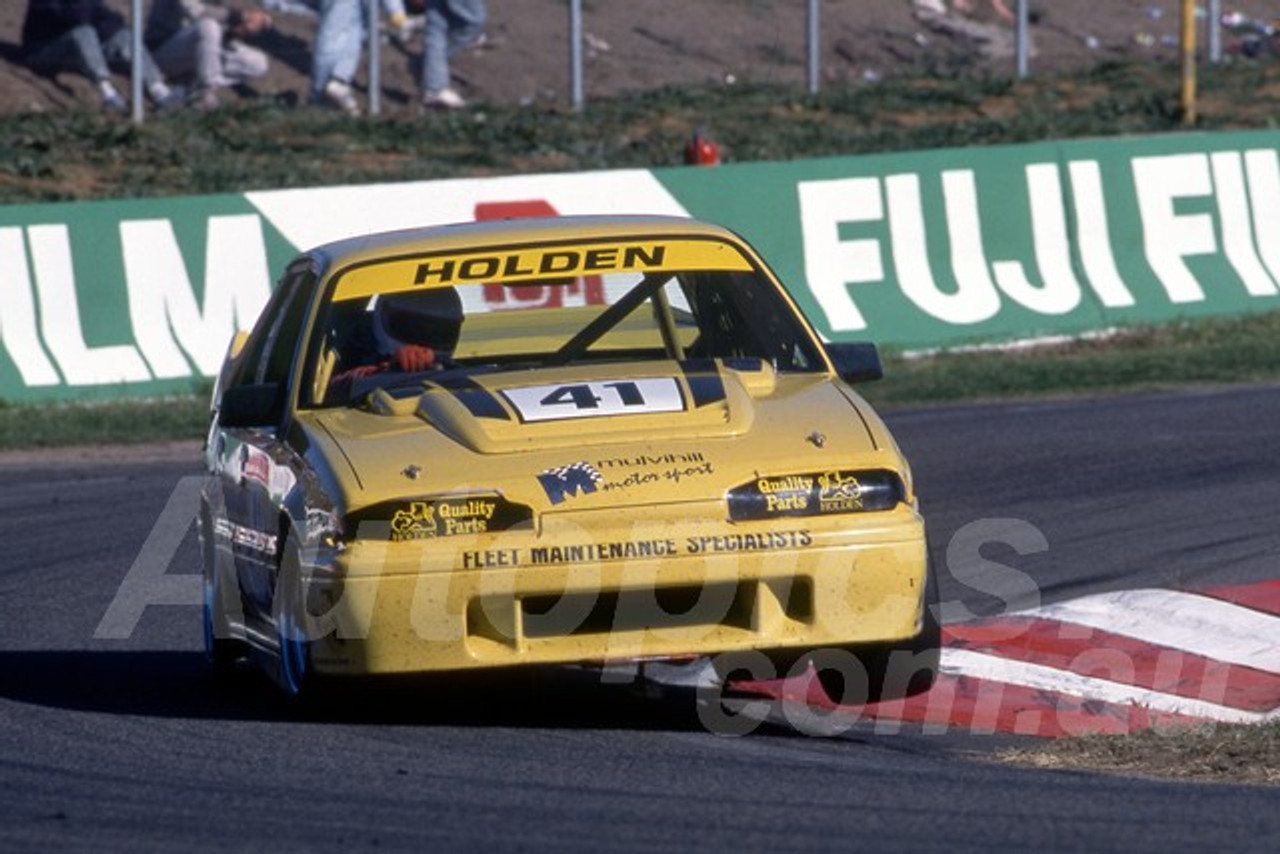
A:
(222, 652)
(289, 615)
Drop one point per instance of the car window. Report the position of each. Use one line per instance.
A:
(251, 355)
(619, 316)
(283, 336)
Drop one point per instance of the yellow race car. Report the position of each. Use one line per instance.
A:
(577, 440)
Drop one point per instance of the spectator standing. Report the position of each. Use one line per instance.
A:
(206, 41)
(87, 37)
(335, 57)
(451, 26)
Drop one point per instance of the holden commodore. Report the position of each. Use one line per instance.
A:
(570, 440)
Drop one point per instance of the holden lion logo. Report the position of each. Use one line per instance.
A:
(839, 492)
(418, 522)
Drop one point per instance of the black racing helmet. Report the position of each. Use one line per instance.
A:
(430, 317)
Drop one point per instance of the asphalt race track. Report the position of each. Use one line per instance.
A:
(123, 743)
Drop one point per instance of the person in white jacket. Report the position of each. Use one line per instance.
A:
(205, 40)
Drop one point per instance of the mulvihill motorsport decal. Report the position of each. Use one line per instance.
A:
(584, 478)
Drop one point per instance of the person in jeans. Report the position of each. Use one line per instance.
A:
(339, 41)
(87, 37)
(451, 26)
(206, 41)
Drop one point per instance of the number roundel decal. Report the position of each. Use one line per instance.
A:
(596, 399)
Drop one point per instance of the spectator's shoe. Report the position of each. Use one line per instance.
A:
(443, 99)
(206, 99)
(175, 97)
(482, 42)
(339, 94)
(115, 103)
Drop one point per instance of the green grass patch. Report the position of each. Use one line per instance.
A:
(114, 423)
(1213, 351)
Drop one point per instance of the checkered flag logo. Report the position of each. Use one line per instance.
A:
(566, 481)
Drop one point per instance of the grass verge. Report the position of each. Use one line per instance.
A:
(1210, 351)
(1248, 754)
(114, 423)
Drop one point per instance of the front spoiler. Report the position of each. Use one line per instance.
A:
(852, 589)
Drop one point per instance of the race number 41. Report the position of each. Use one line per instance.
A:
(596, 399)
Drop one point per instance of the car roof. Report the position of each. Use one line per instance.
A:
(371, 247)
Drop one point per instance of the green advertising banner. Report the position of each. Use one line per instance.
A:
(913, 250)
(990, 244)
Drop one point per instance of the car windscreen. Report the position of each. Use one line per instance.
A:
(399, 339)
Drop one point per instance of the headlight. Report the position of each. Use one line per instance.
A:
(816, 494)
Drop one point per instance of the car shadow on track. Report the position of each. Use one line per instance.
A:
(174, 684)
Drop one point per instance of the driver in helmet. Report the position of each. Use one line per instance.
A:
(409, 332)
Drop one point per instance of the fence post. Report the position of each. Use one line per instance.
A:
(135, 69)
(1020, 38)
(1215, 31)
(575, 54)
(815, 45)
(1188, 62)
(375, 57)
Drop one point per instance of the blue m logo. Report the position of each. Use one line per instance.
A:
(567, 481)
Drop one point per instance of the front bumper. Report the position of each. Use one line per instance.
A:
(511, 599)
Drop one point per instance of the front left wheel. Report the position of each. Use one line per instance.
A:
(288, 613)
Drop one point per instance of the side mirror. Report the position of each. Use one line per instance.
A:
(252, 405)
(856, 361)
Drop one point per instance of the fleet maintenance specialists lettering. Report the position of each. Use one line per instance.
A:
(634, 549)
(532, 263)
